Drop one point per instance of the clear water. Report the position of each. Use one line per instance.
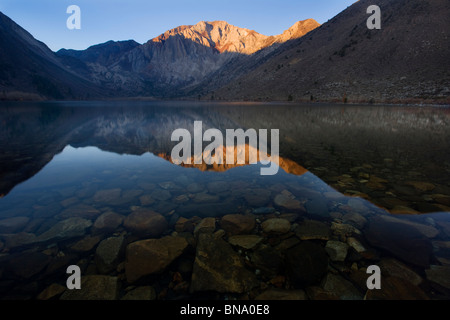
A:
(346, 165)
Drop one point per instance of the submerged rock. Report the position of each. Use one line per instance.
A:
(107, 222)
(168, 185)
(186, 225)
(313, 230)
(71, 227)
(355, 219)
(266, 259)
(355, 244)
(276, 226)
(317, 207)
(357, 205)
(195, 187)
(341, 287)
(108, 254)
(161, 195)
(182, 198)
(344, 229)
(264, 210)
(219, 268)
(402, 240)
(80, 210)
(393, 288)
(256, 200)
(282, 294)
(12, 225)
(52, 291)
(217, 186)
(107, 196)
(426, 230)
(94, 287)
(442, 199)
(207, 225)
(336, 250)
(13, 240)
(403, 210)
(287, 202)
(238, 223)
(146, 257)
(145, 222)
(245, 241)
(208, 209)
(318, 293)
(140, 293)
(86, 244)
(395, 268)
(306, 263)
(421, 185)
(26, 265)
(205, 198)
(439, 275)
(146, 200)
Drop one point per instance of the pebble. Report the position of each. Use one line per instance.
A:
(355, 244)
(336, 250)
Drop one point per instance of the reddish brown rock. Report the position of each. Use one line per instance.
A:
(145, 222)
(107, 222)
(152, 256)
(238, 223)
(393, 288)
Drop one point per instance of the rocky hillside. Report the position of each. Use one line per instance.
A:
(176, 61)
(30, 70)
(342, 60)
(339, 61)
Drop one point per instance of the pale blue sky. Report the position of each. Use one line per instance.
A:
(142, 20)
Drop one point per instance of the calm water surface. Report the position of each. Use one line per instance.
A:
(93, 185)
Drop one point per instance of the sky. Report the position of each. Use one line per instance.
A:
(142, 20)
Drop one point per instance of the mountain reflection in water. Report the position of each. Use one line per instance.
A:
(75, 175)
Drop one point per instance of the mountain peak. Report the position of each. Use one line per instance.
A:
(297, 30)
(226, 37)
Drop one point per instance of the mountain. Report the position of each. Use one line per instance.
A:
(105, 53)
(176, 60)
(101, 64)
(344, 61)
(339, 61)
(30, 70)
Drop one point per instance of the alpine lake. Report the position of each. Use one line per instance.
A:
(93, 185)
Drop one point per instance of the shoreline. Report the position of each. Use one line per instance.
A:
(406, 102)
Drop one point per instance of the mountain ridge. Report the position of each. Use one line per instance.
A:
(178, 59)
(407, 61)
(30, 70)
(338, 61)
